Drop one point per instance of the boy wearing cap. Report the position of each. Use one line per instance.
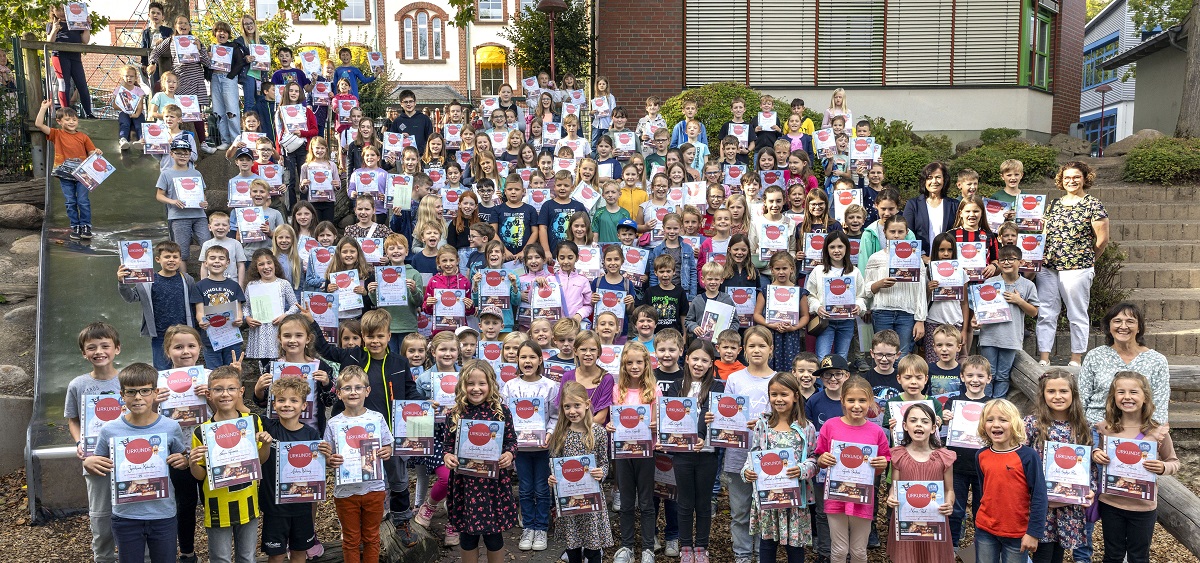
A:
(186, 220)
(491, 323)
(606, 218)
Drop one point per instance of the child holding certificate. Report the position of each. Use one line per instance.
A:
(898, 306)
(918, 530)
(960, 414)
(181, 189)
(696, 471)
(1012, 506)
(999, 342)
(480, 508)
(831, 295)
(784, 426)
(448, 278)
(636, 386)
(269, 299)
(752, 382)
(1056, 428)
(578, 434)
(533, 461)
(787, 326)
(171, 277)
(1128, 517)
(288, 525)
(297, 346)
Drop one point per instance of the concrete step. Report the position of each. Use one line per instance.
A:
(1137, 193)
(1169, 210)
(1152, 230)
(1172, 251)
(1176, 337)
(1168, 304)
(1184, 415)
(1162, 275)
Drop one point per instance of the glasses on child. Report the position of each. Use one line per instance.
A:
(145, 392)
(224, 390)
(354, 388)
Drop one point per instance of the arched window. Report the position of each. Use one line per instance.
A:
(437, 38)
(422, 35)
(408, 38)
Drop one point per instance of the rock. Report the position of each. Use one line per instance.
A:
(30, 244)
(1071, 146)
(966, 146)
(20, 216)
(24, 275)
(1128, 143)
(23, 316)
(12, 377)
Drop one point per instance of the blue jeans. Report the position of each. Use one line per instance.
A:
(250, 94)
(225, 106)
(125, 124)
(79, 205)
(214, 359)
(899, 321)
(533, 469)
(671, 532)
(963, 482)
(1002, 362)
(836, 338)
(995, 549)
(136, 537)
(161, 361)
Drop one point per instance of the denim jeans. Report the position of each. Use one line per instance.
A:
(836, 338)
(161, 361)
(214, 359)
(126, 124)
(533, 469)
(137, 537)
(233, 544)
(1002, 362)
(250, 93)
(671, 531)
(899, 321)
(226, 107)
(396, 470)
(995, 549)
(963, 482)
(1084, 551)
(79, 205)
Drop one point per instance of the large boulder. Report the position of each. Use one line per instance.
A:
(1073, 146)
(20, 216)
(967, 146)
(1128, 143)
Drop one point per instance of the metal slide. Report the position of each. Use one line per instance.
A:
(77, 285)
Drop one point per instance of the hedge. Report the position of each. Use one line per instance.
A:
(1164, 161)
(903, 164)
(714, 100)
(1039, 161)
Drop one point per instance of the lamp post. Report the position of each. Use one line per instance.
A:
(551, 8)
(1104, 89)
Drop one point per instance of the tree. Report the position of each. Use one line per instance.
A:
(273, 32)
(1095, 6)
(530, 35)
(33, 17)
(1148, 14)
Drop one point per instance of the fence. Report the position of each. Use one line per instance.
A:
(16, 160)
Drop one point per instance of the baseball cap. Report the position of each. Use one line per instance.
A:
(464, 329)
(489, 310)
(244, 151)
(181, 143)
(630, 223)
(832, 362)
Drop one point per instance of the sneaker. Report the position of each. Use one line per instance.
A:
(85, 232)
(208, 149)
(685, 555)
(617, 503)
(317, 550)
(75, 232)
(672, 549)
(404, 534)
(223, 146)
(564, 557)
(700, 555)
(1044, 363)
(746, 560)
(647, 556)
(424, 515)
(625, 555)
(657, 545)
(451, 536)
(539, 540)
(187, 558)
(123, 143)
(526, 540)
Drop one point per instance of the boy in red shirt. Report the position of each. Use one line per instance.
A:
(729, 346)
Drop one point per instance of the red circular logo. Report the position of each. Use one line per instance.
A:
(323, 255)
(545, 291)
(538, 195)
(318, 304)
(347, 105)
(451, 196)
(138, 450)
(508, 372)
(770, 177)
(393, 138)
(969, 250)
(321, 87)
(608, 354)
(1129, 453)
(448, 382)
(179, 381)
(449, 298)
(99, 165)
(845, 197)
(355, 436)
(435, 175)
(987, 292)
(624, 138)
(1065, 457)
(342, 280)
(309, 56)
(365, 178)
(676, 410)
(260, 50)
(300, 455)
(291, 371)
(479, 434)
(135, 250)
(782, 294)
(837, 286)
(188, 184)
(664, 463)
(630, 418)
(585, 254)
(918, 496)
(390, 275)
(291, 111)
(217, 321)
(861, 145)
(727, 406)
(740, 296)
(185, 101)
(76, 9)
(241, 187)
(250, 214)
(1029, 243)
(493, 278)
(632, 256)
(368, 245)
(1029, 203)
(972, 412)
(491, 351)
(945, 269)
(904, 250)
(411, 410)
(525, 409)
(572, 471)
(773, 232)
(852, 457)
(108, 409)
(771, 464)
(610, 299)
(185, 41)
(734, 172)
(269, 171)
(154, 129)
(993, 206)
(817, 242)
(227, 435)
(823, 135)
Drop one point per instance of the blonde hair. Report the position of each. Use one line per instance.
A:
(845, 101)
(1007, 410)
(646, 383)
(746, 224)
(1112, 414)
(492, 399)
(293, 255)
(572, 390)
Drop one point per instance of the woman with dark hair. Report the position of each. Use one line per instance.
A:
(1076, 230)
(933, 213)
(1125, 350)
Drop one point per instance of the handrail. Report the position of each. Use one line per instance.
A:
(85, 48)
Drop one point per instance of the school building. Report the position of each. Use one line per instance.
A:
(1107, 35)
(948, 66)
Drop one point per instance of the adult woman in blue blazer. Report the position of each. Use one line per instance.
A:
(931, 213)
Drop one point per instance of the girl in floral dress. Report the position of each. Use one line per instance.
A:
(578, 434)
(921, 457)
(784, 426)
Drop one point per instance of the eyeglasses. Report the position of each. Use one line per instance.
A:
(834, 375)
(354, 388)
(1007, 260)
(225, 390)
(146, 392)
(884, 356)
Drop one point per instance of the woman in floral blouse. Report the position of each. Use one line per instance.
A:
(1076, 230)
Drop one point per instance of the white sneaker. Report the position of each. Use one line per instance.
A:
(672, 549)
(123, 143)
(222, 146)
(526, 540)
(564, 557)
(625, 555)
(657, 545)
(208, 149)
(647, 556)
(539, 540)
(617, 502)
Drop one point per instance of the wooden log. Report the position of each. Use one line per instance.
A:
(32, 192)
(35, 92)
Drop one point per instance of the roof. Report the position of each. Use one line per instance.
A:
(1176, 33)
(1099, 17)
(429, 94)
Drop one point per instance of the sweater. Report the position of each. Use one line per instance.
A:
(141, 293)
(1013, 501)
(544, 388)
(576, 294)
(1166, 454)
(904, 296)
(442, 281)
(696, 310)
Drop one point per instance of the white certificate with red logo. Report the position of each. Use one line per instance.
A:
(576, 490)
(770, 178)
(359, 445)
(995, 210)
(917, 517)
(904, 260)
(189, 107)
(774, 488)
(767, 120)
(392, 290)
(182, 404)
(412, 427)
(479, 445)
(372, 249)
(1126, 474)
(772, 238)
(232, 456)
(324, 310)
(839, 299)
(989, 304)
(239, 192)
(665, 485)
(322, 92)
(678, 428)
(824, 143)
(157, 138)
(744, 301)
(187, 49)
(495, 289)
(250, 221)
(490, 352)
(742, 132)
(140, 472)
(964, 427)
(1031, 212)
(302, 370)
(295, 119)
(728, 428)
(346, 281)
(634, 267)
(783, 304)
(813, 244)
(77, 16)
(589, 263)
(632, 438)
(734, 174)
(972, 258)
(97, 410)
(529, 421)
(449, 311)
(320, 184)
(221, 332)
(190, 190)
(851, 479)
(843, 199)
(299, 472)
(612, 301)
(137, 257)
(951, 280)
(273, 174)
(610, 358)
(375, 59)
(443, 384)
(453, 134)
(1068, 471)
(260, 55)
(93, 171)
(1033, 250)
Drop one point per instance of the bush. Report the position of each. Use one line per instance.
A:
(1105, 289)
(903, 164)
(894, 133)
(1164, 161)
(993, 135)
(713, 108)
(1039, 161)
(939, 145)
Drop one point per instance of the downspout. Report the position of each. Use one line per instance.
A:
(1172, 33)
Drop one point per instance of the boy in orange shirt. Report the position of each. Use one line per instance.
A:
(729, 347)
(70, 147)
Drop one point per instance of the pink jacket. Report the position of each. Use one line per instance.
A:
(442, 281)
(577, 294)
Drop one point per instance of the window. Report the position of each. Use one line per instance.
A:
(422, 33)
(437, 38)
(1039, 50)
(307, 17)
(266, 9)
(527, 4)
(408, 38)
(491, 76)
(1093, 75)
(355, 10)
(1094, 127)
(491, 10)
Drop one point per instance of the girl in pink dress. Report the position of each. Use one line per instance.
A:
(921, 457)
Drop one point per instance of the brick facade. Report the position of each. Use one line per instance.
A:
(641, 56)
(1067, 64)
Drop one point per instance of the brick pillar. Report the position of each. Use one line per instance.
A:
(641, 55)
(1067, 64)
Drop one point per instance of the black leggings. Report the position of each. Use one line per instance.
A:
(767, 549)
(1048, 552)
(187, 497)
(1127, 534)
(580, 555)
(470, 542)
(71, 75)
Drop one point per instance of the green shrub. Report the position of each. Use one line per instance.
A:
(993, 135)
(1105, 289)
(1039, 161)
(1164, 161)
(713, 108)
(894, 133)
(939, 145)
(903, 164)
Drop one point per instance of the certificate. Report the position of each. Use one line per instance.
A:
(157, 138)
(372, 249)
(507, 372)
(1068, 471)
(324, 310)
(768, 120)
(536, 197)
(774, 488)
(190, 191)
(140, 472)
(266, 304)
(450, 198)
(589, 263)
(273, 174)
(187, 49)
(299, 472)
(610, 301)
(951, 280)
(182, 404)
(575, 489)
(625, 143)
(904, 260)
(221, 332)
(399, 191)
(772, 238)
(295, 119)
(322, 258)
(571, 108)
(359, 445)
(824, 143)
(495, 289)
(545, 302)
(600, 106)
(783, 304)
(632, 438)
(551, 133)
(972, 258)
(77, 16)
(97, 410)
(479, 445)
(239, 192)
(843, 199)
(728, 428)
(93, 171)
(301, 370)
(995, 211)
(412, 427)
(1126, 474)
(453, 135)
(443, 385)
(310, 62)
(1031, 212)
(344, 108)
(375, 59)
(189, 106)
(840, 297)
(742, 132)
(989, 304)
(897, 410)
(1033, 249)
(491, 351)
(610, 358)
(851, 479)
(529, 421)
(232, 456)
(488, 104)
(917, 517)
(770, 178)
(449, 311)
(260, 56)
(392, 290)
(678, 424)
(391, 145)
(347, 281)
(587, 195)
(320, 185)
(813, 243)
(734, 174)
(744, 301)
(716, 317)
(137, 257)
(665, 485)
(322, 93)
